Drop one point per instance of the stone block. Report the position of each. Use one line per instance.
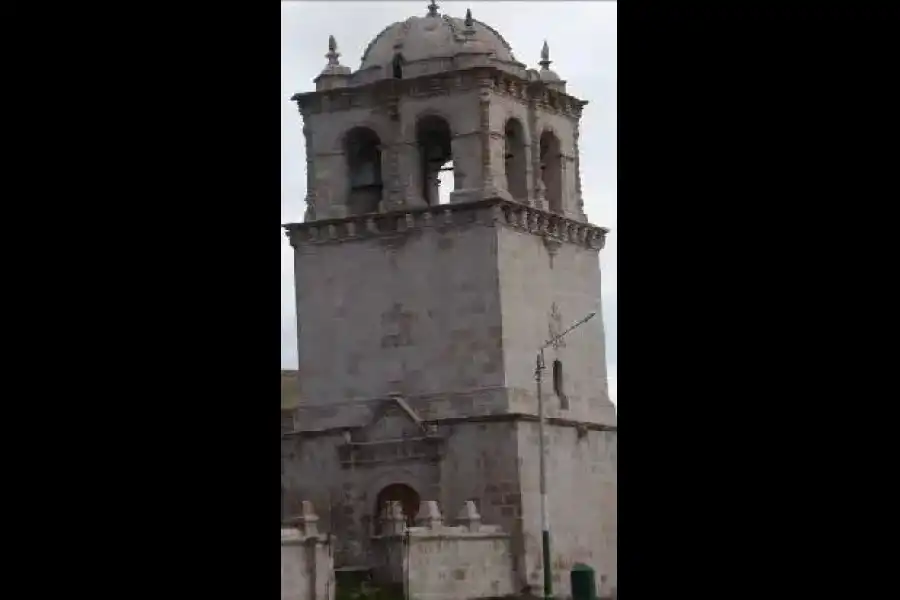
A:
(429, 515)
(469, 517)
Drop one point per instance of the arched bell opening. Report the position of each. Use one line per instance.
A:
(551, 170)
(363, 152)
(434, 141)
(514, 159)
(397, 66)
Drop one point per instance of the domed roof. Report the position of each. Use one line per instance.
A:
(435, 36)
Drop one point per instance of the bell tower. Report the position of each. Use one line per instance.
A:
(378, 138)
(436, 310)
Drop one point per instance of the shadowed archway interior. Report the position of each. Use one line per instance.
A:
(398, 492)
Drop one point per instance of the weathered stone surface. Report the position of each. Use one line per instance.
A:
(438, 561)
(441, 370)
(445, 308)
(307, 568)
(290, 389)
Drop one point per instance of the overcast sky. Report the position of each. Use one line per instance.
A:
(582, 40)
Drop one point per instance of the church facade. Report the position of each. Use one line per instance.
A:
(419, 322)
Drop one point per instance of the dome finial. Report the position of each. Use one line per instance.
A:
(545, 57)
(333, 54)
(334, 74)
(469, 31)
(433, 9)
(545, 74)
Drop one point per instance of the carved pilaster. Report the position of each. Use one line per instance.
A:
(537, 182)
(554, 229)
(310, 214)
(484, 106)
(579, 200)
(394, 196)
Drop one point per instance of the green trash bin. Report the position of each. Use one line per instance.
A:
(583, 580)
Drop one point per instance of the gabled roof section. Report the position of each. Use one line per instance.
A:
(406, 409)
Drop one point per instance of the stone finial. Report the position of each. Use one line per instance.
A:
(545, 57)
(308, 519)
(469, 31)
(334, 72)
(545, 73)
(333, 53)
(429, 515)
(433, 9)
(469, 516)
(392, 518)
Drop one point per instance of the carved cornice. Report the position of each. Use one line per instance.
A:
(551, 227)
(489, 212)
(494, 418)
(540, 95)
(425, 448)
(387, 93)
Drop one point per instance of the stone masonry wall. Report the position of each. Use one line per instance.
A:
(307, 571)
(494, 464)
(414, 313)
(562, 284)
(581, 481)
(434, 561)
(482, 464)
(418, 310)
(478, 462)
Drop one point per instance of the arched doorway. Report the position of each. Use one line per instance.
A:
(398, 492)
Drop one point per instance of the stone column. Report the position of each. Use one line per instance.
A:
(489, 187)
(537, 182)
(394, 160)
(579, 200)
(310, 214)
(468, 178)
(409, 177)
(409, 164)
(393, 196)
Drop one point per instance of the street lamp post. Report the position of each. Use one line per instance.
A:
(545, 513)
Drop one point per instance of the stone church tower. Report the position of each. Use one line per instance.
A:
(419, 321)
